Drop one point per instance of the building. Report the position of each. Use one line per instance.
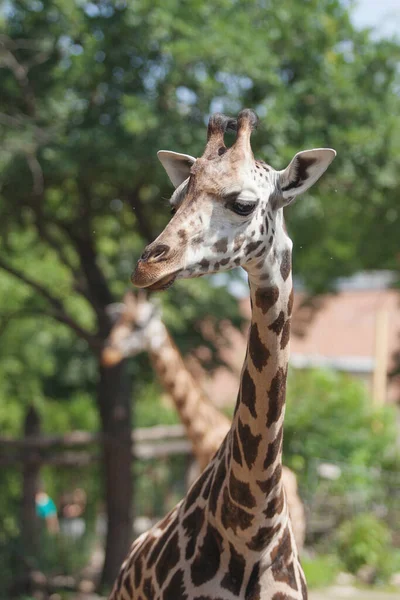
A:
(356, 330)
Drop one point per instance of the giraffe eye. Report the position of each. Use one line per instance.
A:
(242, 208)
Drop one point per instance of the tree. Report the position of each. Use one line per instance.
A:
(90, 91)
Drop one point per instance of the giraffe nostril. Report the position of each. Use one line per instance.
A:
(145, 255)
(155, 254)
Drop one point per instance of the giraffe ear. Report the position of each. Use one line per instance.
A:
(177, 165)
(303, 171)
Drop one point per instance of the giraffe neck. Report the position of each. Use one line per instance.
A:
(202, 421)
(253, 509)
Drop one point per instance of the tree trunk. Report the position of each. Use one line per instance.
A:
(114, 398)
(30, 484)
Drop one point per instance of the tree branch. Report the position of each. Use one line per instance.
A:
(58, 311)
(20, 72)
(99, 293)
(145, 228)
(5, 319)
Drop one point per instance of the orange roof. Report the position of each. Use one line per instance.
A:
(334, 330)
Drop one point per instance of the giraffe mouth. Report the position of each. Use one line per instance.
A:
(162, 284)
(139, 279)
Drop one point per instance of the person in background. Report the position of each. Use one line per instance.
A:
(72, 509)
(46, 511)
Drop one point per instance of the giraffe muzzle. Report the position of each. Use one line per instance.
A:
(154, 273)
(142, 280)
(158, 267)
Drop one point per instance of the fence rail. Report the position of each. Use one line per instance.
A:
(147, 443)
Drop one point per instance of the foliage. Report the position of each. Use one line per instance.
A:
(330, 416)
(321, 570)
(160, 485)
(151, 410)
(366, 540)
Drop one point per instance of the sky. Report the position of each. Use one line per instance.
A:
(382, 15)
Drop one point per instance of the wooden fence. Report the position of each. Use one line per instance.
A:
(81, 448)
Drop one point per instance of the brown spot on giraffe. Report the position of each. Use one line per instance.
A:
(204, 264)
(273, 449)
(182, 235)
(195, 491)
(207, 488)
(250, 441)
(237, 455)
(145, 548)
(232, 515)
(148, 588)
(192, 525)
(285, 573)
(252, 246)
(158, 546)
(266, 298)
(283, 547)
(271, 483)
(206, 564)
(263, 538)
(221, 245)
(275, 506)
(278, 324)
(285, 334)
(282, 562)
(276, 395)
(233, 579)
(258, 352)
(249, 393)
(240, 492)
(127, 585)
(286, 264)
(175, 589)
(168, 558)
(216, 486)
(253, 589)
(260, 253)
(290, 303)
(138, 572)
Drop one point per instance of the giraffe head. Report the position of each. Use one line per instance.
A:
(227, 206)
(136, 324)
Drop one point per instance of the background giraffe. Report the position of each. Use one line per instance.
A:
(139, 327)
(230, 537)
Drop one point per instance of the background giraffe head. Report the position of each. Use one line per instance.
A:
(136, 323)
(227, 206)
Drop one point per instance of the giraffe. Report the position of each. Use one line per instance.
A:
(230, 537)
(139, 327)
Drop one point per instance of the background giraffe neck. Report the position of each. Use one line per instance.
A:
(202, 420)
(253, 481)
